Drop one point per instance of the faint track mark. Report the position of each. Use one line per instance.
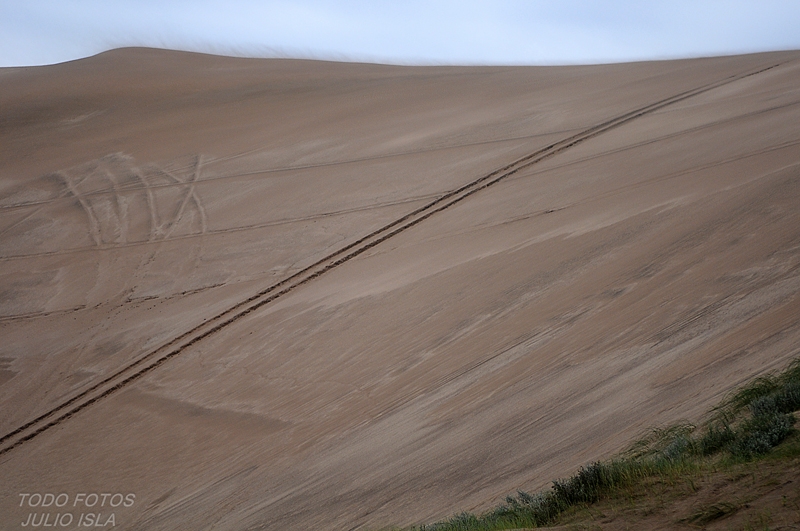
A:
(94, 227)
(186, 197)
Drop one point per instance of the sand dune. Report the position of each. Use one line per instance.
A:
(279, 294)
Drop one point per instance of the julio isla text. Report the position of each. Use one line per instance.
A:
(105, 502)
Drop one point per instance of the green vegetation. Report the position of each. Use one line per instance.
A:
(745, 427)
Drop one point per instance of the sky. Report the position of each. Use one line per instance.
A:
(36, 32)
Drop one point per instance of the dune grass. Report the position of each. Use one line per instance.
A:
(745, 426)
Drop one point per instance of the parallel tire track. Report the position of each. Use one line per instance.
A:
(150, 361)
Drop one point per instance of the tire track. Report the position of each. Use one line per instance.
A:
(152, 360)
(613, 192)
(323, 215)
(158, 239)
(280, 169)
(669, 136)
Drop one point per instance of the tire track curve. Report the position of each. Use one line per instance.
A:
(152, 360)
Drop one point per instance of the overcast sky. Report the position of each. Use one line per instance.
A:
(34, 32)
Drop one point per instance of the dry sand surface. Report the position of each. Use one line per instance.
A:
(474, 343)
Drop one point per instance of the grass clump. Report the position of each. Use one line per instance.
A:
(761, 414)
(747, 425)
(533, 510)
(715, 438)
(760, 434)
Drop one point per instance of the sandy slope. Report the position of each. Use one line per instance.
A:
(538, 324)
